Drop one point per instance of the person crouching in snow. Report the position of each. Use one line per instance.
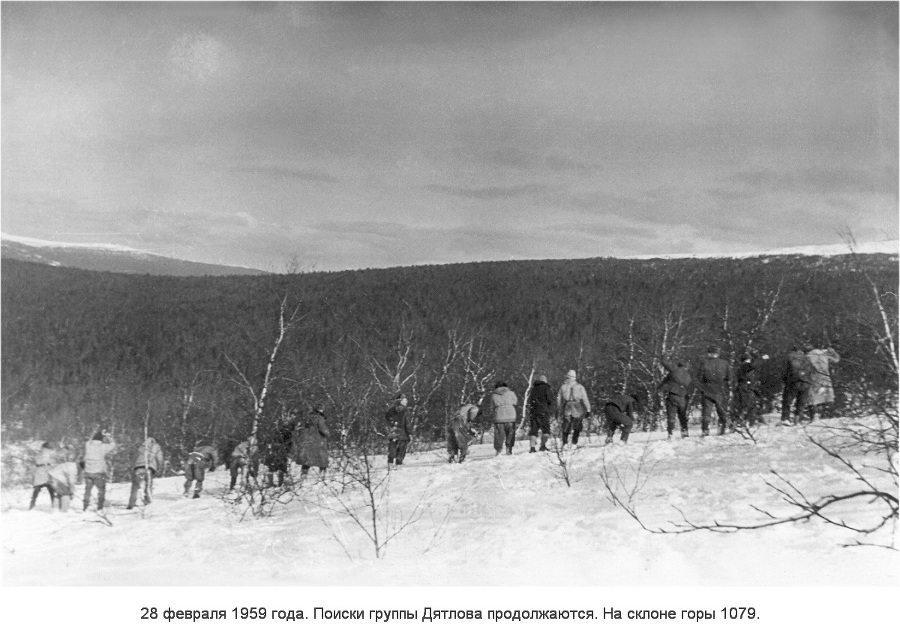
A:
(399, 431)
(63, 477)
(42, 464)
(244, 461)
(148, 462)
(619, 411)
(198, 461)
(311, 442)
(460, 433)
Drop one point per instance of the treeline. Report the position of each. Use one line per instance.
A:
(189, 356)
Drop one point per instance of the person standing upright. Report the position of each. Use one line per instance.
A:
(572, 406)
(540, 410)
(148, 463)
(714, 382)
(311, 442)
(399, 430)
(504, 402)
(42, 464)
(96, 450)
(797, 377)
(821, 391)
(746, 394)
(676, 389)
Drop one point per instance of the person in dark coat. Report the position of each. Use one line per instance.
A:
(797, 378)
(460, 432)
(676, 389)
(43, 462)
(714, 382)
(619, 411)
(540, 409)
(198, 461)
(747, 390)
(278, 450)
(148, 462)
(311, 442)
(399, 430)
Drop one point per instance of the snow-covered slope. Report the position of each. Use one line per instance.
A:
(506, 520)
(109, 258)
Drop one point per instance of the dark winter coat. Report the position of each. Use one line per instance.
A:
(398, 423)
(311, 441)
(678, 381)
(715, 379)
(278, 447)
(149, 455)
(797, 369)
(625, 403)
(541, 400)
(748, 375)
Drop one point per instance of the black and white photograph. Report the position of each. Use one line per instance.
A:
(449, 294)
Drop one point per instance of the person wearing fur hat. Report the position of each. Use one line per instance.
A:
(540, 410)
(714, 382)
(572, 406)
(399, 430)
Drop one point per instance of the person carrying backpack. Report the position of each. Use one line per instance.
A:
(572, 406)
(676, 389)
(797, 378)
(459, 432)
(540, 409)
(198, 461)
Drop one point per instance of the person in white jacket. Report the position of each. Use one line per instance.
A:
(95, 451)
(63, 476)
(572, 406)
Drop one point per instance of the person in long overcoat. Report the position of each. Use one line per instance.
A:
(821, 391)
(540, 410)
(311, 441)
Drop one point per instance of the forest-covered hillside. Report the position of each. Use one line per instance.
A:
(189, 355)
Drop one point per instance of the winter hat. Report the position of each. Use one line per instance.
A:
(571, 374)
(542, 378)
(472, 413)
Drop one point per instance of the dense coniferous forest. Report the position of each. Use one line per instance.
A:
(189, 356)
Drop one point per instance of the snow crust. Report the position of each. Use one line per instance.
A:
(495, 521)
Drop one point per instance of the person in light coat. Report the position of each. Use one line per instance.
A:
(460, 433)
(821, 390)
(63, 477)
(572, 406)
(42, 464)
(311, 442)
(96, 451)
(198, 461)
(148, 462)
(503, 404)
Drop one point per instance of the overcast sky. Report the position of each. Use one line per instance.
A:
(376, 134)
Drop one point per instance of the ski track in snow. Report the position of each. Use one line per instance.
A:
(503, 520)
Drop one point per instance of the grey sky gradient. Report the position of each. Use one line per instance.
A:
(379, 134)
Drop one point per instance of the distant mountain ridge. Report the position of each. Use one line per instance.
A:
(110, 258)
